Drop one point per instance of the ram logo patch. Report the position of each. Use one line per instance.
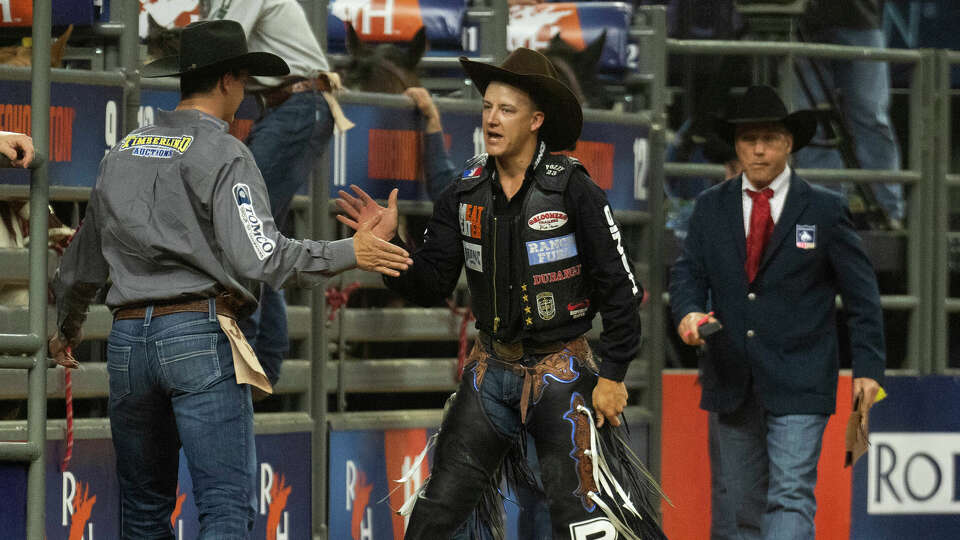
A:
(473, 256)
(548, 221)
(262, 245)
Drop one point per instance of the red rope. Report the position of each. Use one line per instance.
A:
(337, 298)
(68, 388)
(467, 315)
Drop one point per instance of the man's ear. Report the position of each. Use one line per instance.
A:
(536, 121)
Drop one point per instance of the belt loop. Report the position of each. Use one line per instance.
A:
(212, 309)
(148, 316)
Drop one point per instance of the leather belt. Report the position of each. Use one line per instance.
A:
(274, 97)
(511, 352)
(159, 310)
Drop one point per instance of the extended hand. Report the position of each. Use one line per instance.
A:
(609, 399)
(689, 330)
(363, 208)
(17, 147)
(377, 255)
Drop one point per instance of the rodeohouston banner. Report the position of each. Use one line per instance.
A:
(906, 487)
(83, 502)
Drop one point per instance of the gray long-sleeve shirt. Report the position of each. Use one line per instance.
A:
(180, 210)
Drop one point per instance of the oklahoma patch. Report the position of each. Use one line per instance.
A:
(806, 236)
(262, 245)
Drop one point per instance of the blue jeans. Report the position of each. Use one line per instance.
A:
(865, 105)
(764, 469)
(500, 394)
(287, 143)
(172, 384)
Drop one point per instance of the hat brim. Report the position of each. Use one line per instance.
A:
(563, 116)
(802, 125)
(256, 63)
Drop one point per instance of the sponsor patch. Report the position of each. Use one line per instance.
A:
(578, 309)
(262, 245)
(551, 250)
(548, 221)
(546, 307)
(473, 256)
(553, 277)
(593, 529)
(552, 169)
(472, 172)
(470, 219)
(806, 236)
(156, 147)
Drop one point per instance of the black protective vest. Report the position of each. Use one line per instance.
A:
(554, 296)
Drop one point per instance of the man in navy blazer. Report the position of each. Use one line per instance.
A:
(768, 253)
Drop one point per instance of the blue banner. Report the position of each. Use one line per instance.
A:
(20, 12)
(908, 483)
(396, 21)
(83, 502)
(85, 122)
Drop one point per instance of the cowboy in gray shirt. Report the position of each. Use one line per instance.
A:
(180, 221)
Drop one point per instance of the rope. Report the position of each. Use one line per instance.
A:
(68, 390)
(467, 315)
(338, 298)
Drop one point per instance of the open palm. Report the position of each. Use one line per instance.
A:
(364, 208)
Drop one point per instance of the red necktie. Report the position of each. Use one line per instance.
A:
(761, 227)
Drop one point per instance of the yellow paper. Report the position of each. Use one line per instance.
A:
(246, 367)
(880, 395)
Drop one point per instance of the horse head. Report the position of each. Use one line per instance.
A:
(385, 67)
(161, 41)
(578, 70)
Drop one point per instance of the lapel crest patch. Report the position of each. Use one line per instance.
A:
(806, 236)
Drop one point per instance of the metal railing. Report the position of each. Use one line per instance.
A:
(28, 351)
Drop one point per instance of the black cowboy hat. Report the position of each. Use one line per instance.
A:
(533, 73)
(761, 104)
(215, 44)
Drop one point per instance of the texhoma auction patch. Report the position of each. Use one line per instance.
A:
(806, 236)
(153, 146)
(262, 245)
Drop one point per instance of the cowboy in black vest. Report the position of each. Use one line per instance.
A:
(543, 255)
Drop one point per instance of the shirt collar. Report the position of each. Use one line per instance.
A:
(777, 185)
(186, 116)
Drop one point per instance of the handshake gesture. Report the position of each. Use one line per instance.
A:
(375, 226)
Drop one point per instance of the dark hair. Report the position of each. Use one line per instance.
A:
(203, 81)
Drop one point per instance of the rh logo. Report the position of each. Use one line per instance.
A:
(358, 503)
(274, 493)
(77, 507)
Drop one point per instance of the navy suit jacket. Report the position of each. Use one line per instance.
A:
(779, 336)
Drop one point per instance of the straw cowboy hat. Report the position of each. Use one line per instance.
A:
(761, 104)
(215, 44)
(533, 73)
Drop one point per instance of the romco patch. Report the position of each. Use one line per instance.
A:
(262, 245)
(548, 221)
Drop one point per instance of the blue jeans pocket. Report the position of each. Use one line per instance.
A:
(189, 363)
(118, 370)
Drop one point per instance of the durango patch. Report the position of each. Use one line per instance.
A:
(153, 146)
(262, 245)
(548, 221)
